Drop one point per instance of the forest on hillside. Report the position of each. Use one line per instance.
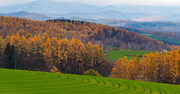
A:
(86, 32)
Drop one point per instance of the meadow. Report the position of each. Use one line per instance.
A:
(115, 53)
(32, 82)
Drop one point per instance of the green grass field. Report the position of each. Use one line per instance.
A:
(116, 53)
(30, 82)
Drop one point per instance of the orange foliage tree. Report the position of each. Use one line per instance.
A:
(42, 53)
(157, 67)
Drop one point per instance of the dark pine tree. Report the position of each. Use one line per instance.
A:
(9, 56)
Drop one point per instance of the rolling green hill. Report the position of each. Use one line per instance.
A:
(30, 82)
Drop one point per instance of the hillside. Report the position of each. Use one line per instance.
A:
(161, 26)
(172, 38)
(29, 82)
(87, 32)
(156, 26)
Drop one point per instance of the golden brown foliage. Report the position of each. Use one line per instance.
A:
(42, 53)
(157, 67)
(55, 70)
(86, 32)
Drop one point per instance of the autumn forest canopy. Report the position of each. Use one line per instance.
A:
(86, 32)
(79, 47)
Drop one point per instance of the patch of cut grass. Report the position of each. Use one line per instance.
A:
(115, 53)
(31, 82)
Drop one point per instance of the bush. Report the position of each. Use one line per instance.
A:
(91, 72)
(54, 70)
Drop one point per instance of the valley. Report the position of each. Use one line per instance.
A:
(89, 47)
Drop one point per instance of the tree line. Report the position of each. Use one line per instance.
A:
(42, 53)
(156, 67)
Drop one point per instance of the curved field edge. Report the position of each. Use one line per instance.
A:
(31, 82)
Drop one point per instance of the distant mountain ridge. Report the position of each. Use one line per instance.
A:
(157, 26)
(161, 26)
(86, 11)
(23, 14)
(52, 7)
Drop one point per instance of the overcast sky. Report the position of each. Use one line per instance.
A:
(106, 2)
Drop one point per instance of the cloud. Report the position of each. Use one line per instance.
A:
(129, 2)
(151, 18)
(105, 2)
(13, 2)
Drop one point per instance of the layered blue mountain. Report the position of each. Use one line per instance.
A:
(23, 14)
(86, 11)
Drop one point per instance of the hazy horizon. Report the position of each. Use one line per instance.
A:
(136, 10)
(171, 3)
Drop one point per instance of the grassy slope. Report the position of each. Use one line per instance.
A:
(29, 82)
(116, 53)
